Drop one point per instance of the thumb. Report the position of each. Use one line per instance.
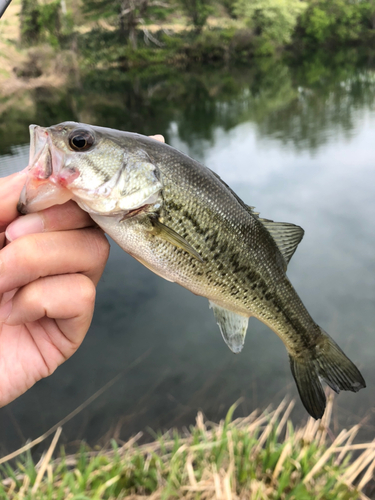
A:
(10, 190)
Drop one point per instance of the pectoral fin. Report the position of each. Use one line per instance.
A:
(232, 326)
(173, 238)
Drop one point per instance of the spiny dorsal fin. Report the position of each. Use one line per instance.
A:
(252, 210)
(232, 326)
(286, 236)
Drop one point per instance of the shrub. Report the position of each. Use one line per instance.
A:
(335, 21)
(273, 20)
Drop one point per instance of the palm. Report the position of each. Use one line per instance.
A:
(49, 280)
(33, 350)
(22, 362)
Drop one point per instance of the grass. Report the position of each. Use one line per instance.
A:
(260, 457)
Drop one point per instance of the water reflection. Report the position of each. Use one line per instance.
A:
(298, 146)
(302, 106)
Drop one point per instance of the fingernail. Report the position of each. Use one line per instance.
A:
(29, 224)
(159, 137)
(5, 311)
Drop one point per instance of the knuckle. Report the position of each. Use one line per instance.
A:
(31, 293)
(26, 301)
(87, 290)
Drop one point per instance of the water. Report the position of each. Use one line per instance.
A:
(296, 143)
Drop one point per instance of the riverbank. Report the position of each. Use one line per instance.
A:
(260, 457)
(224, 41)
(24, 69)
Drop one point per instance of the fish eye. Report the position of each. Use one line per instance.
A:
(81, 140)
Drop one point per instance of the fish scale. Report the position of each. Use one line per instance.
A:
(180, 220)
(244, 278)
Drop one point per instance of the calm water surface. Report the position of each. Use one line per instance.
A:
(298, 146)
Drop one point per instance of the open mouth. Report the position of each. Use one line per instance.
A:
(43, 187)
(38, 144)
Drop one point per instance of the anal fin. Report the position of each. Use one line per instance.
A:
(233, 326)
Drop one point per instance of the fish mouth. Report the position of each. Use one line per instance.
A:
(38, 142)
(22, 203)
(43, 187)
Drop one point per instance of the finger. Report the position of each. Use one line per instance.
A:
(56, 218)
(158, 137)
(37, 255)
(10, 190)
(63, 318)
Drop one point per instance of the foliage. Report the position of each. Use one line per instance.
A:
(210, 46)
(261, 456)
(29, 22)
(198, 11)
(271, 24)
(127, 14)
(230, 7)
(299, 104)
(50, 21)
(337, 20)
(368, 14)
(44, 22)
(272, 20)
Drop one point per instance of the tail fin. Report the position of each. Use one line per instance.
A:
(330, 364)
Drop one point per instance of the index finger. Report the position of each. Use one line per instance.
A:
(56, 218)
(10, 190)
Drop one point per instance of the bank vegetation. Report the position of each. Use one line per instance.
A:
(260, 457)
(132, 33)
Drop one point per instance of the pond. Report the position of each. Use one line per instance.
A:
(295, 142)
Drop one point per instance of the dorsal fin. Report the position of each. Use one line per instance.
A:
(286, 236)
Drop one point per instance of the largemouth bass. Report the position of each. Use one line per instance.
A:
(180, 220)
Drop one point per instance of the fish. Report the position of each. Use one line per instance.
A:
(184, 223)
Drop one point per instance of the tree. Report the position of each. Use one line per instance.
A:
(273, 20)
(129, 14)
(198, 11)
(132, 13)
(30, 26)
(336, 21)
(229, 6)
(40, 22)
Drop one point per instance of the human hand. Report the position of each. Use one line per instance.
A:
(48, 274)
(50, 264)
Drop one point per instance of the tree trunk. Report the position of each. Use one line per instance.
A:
(133, 36)
(30, 28)
(131, 14)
